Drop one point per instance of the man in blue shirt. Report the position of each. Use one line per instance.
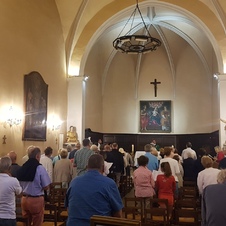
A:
(92, 194)
(33, 179)
(213, 202)
(153, 163)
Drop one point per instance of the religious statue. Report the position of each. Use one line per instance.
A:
(72, 136)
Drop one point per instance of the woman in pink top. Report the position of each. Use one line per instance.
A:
(143, 180)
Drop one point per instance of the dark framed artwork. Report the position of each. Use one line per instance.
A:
(155, 116)
(35, 105)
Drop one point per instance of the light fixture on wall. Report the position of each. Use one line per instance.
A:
(12, 117)
(54, 122)
(85, 78)
(215, 75)
(133, 43)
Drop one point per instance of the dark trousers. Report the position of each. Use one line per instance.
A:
(7, 222)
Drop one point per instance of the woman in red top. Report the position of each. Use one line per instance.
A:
(220, 154)
(166, 185)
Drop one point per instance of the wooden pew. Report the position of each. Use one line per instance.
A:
(112, 221)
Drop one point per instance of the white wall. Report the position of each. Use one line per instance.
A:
(191, 90)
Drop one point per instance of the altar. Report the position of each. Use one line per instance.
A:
(137, 155)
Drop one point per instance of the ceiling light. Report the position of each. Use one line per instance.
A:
(132, 43)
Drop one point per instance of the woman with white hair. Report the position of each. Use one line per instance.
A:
(208, 175)
(63, 169)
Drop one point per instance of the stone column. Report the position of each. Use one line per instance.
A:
(222, 104)
(75, 113)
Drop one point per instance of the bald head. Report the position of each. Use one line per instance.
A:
(13, 156)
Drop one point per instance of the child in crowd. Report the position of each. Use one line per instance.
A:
(143, 180)
(166, 185)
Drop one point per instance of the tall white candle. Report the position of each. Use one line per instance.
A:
(132, 148)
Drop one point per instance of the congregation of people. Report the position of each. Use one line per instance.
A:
(92, 173)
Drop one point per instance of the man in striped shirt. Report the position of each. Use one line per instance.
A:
(81, 157)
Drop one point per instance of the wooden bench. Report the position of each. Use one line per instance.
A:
(112, 221)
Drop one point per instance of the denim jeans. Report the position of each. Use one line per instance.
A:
(7, 222)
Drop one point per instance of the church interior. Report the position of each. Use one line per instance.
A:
(94, 87)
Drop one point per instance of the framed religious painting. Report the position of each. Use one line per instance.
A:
(155, 116)
(35, 105)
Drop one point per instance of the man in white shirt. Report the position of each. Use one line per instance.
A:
(188, 149)
(47, 162)
(9, 188)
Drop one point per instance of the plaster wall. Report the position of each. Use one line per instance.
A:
(31, 40)
(191, 89)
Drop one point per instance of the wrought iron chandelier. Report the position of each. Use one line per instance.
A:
(134, 44)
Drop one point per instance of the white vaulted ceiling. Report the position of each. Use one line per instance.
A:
(202, 24)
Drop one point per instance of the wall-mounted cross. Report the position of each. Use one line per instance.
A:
(4, 138)
(155, 83)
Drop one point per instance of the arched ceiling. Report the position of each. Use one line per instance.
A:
(200, 23)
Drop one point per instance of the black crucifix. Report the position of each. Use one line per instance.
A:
(155, 83)
(4, 138)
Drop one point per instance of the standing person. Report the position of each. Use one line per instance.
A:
(213, 202)
(14, 167)
(25, 157)
(181, 175)
(63, 169)
(8, 189)
(189, 168)
(92, 194)
(143, 180)
(208, 175)
(117, 168)
(81, 157)
(198, 165)
(153, 162)
(33, 179)
(128, 161)
(188, 149)
(220, 154)
(72, 153)
(57, 157)
(155, 145)
(47, 162)
(173, 164)
(69, 149)
(166, 185)
(100, 144)
(106, 164)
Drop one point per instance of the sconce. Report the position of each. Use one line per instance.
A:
(54, 122)
(85, 78)
(12, 117)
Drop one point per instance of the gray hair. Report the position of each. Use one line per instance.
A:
(221, 177)
(69, 148)
(5, 163)
(33, 152)
(94, 148)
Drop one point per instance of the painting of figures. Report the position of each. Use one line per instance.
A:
(155, 116)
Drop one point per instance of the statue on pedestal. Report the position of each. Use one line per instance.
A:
(72, 136)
